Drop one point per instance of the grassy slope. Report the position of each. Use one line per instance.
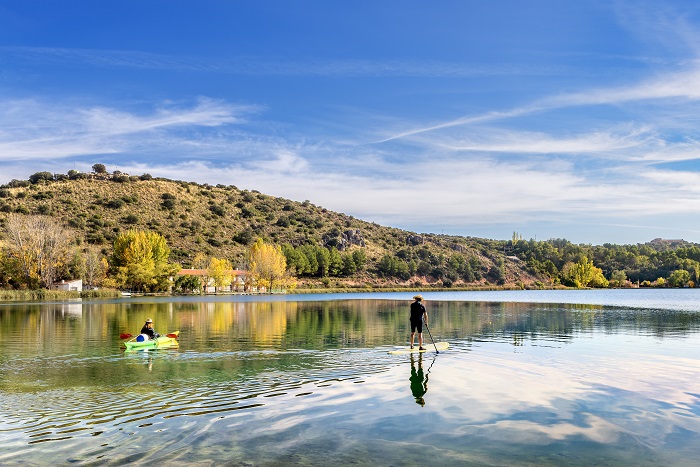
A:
(220, 220)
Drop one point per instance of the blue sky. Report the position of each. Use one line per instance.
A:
(553, 119)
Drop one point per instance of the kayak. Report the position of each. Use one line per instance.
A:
(427, 348)
(163, 342)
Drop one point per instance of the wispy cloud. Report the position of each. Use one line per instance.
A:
(681, 85)
(259, 65)
(31, 129)
(599, 143)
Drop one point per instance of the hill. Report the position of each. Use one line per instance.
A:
(223, 220)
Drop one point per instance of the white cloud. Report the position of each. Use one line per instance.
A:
(264, 65)
(206, 112)
(487, 140)
(31, 129)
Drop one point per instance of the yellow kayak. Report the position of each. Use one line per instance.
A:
(163, 342)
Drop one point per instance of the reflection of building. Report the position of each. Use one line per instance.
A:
(74, 309)
(75, 284)
(237, 280)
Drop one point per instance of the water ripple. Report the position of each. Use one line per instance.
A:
(60, 414)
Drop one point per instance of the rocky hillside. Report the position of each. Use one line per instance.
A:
(222, 221)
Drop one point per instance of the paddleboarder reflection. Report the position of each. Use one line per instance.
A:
(419, 381)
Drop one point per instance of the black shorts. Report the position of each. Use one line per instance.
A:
(417, 325)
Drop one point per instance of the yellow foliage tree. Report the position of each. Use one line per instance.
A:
(584, 274)
(267, 265)
(220, 271)
(141, 260)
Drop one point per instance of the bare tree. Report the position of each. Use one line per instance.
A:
(40, 245)
(95, 267)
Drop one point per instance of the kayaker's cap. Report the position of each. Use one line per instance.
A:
(149, 320)
(418, 297)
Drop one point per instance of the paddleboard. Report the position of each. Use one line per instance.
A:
(428, 348)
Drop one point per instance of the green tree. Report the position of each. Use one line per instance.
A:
(312, 259)
(618, 278)
(391, 266)
(140, 259)
(583, 274)
(99, 169)
(41, 176)
(679, 278)
(323, 256)
(360, 258)
(188, 284)
(335, 266)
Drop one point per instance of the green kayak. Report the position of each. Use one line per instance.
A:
(163, 342)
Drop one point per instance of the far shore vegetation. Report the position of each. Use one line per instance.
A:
(118, 232)
(45, 294)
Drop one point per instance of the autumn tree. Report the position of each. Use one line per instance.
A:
(39, 247)
(140, 260)
(221, 272)
(200, 261)
(267, 265)
(679, 278)
(94, 268)
(583, 274)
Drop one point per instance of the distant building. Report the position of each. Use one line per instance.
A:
(237, 282)
(75, 284)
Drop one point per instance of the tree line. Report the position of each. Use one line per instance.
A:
(657, 263)
(37, 251)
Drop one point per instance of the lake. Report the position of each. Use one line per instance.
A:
(608, 377)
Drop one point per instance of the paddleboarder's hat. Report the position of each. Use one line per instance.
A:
(149, 320)
(418, 297)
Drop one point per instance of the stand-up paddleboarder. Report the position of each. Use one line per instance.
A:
(418, 316)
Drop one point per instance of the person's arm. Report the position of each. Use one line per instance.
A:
(425, 315)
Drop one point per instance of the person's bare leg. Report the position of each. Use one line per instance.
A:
(413, 334)
(420, 339)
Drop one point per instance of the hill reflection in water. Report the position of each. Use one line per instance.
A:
(312, 382)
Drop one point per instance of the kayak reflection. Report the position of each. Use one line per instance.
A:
(419, 380)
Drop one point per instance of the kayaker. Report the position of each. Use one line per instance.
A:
(148, 330)
(418, 315)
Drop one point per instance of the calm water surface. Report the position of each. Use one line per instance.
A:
(531, 378)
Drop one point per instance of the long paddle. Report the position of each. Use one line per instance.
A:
(431, 337)
(127, 335)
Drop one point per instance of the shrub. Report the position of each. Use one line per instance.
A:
(14, 183)
(168, 203)
(218, 210)
(115, 203)
(41, 176)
